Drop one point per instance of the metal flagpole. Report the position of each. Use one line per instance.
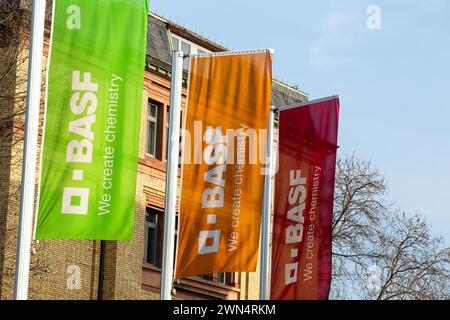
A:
(30, 151)
(264, 289)
(172, 176)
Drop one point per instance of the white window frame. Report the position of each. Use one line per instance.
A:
(194, 47)
(154, 226)
(155, 137)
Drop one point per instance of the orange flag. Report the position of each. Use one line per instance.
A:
(222, 189)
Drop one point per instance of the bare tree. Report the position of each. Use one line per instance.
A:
(14, 44)
(14, 33)
(379, 253)
(413, 264)
(358, 209)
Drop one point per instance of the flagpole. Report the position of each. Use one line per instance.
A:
(264, 289)
(30, 151)
(172, 176)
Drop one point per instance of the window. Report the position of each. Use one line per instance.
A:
(152, 129)
(176, 242)
(187, 47)
(175, 43)
(153, 247)
(167, 132)
(221, 277)
(155, 127)
(208, 276)
(153, 237)
(226, 278)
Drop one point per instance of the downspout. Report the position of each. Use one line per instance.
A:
(101, 270)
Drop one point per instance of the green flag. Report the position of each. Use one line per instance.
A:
(91, 133)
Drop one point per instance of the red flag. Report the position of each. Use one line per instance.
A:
(303, 211)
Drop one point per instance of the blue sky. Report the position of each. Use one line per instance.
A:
(394, 83)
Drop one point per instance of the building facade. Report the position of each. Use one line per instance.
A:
(74, 269)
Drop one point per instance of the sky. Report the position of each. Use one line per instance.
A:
(393, 78)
